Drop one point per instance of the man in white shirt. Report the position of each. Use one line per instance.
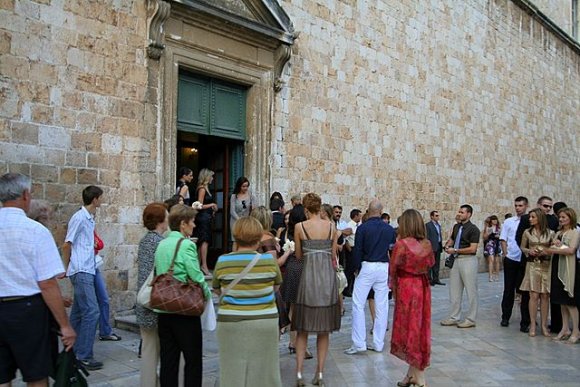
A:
(29, 293)
(79, 250)
(513, 270)
(355, 218)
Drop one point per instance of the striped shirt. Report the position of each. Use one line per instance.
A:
(253, 297)
(81, 234)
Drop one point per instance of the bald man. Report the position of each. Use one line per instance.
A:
(374, 238)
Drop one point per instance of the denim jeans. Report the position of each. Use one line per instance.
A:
(103, 300)
(84, 314)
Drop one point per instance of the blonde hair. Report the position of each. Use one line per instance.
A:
(411, 225)
(264, 216)
(247, 231)
(203, 177)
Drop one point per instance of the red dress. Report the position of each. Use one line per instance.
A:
(409, 267)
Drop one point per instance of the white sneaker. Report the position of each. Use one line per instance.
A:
(354, 350)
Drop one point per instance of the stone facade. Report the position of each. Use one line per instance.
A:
(423, 104)
(560, 11)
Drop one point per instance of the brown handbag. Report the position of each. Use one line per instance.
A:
(173, 296)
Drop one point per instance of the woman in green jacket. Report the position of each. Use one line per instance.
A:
(178, 333)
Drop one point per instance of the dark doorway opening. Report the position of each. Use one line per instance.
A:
(225, 158)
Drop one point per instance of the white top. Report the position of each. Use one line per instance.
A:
(28, 254)
(350, 239)
(341, 225)
(80, 233)
(508, 234)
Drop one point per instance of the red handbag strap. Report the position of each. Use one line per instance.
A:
(170, 270)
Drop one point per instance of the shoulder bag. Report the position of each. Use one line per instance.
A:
(173, 296)
(144, 294)
(240, 276)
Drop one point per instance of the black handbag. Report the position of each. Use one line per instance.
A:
(450, 260)
(69, 371)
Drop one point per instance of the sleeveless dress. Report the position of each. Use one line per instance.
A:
(537, 275)
(317, 309)
(203, 220)
(292, 274)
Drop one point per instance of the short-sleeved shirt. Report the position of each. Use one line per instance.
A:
(508, 234)
(28, 254)
(469, 235)
(253, 297)
(81, 235)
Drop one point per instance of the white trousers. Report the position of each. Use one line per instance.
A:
(463, 276)
(372, 275)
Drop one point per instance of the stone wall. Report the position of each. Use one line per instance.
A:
(427, 105)
(76, 104)
(559, 11)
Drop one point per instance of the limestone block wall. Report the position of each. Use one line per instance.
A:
(77, 107)
(559, 11)
(427, 104)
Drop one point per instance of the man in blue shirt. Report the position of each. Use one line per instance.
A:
(373, 240)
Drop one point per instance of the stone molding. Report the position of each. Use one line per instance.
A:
(273, 29)
(160, 11)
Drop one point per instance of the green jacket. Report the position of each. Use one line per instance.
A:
(186, 262)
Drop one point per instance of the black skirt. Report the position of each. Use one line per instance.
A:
(557, 293)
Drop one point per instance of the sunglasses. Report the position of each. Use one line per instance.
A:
(546, 206)
(244, 204)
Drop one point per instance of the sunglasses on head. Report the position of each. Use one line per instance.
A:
(244, 204)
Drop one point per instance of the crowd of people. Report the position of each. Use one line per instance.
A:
(284, 273)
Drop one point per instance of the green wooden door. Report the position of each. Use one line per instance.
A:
(211, 107)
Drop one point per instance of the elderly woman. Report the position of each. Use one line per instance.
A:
(409, 279)
(155, 220)
(178, 333)
(247, 317)
(566, 274)
(537, 278)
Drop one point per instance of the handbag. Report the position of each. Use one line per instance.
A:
(208, 318)
(170, 295)
(144, 294)
(450, 260)
(240, 276)
(69, 371)
(340, 277)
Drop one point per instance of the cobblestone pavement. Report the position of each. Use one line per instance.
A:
(487, 355)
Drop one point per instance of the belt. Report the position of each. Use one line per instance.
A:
(14, 298)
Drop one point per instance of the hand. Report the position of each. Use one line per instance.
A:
(68, 337)
(557, 243)
(214, 207)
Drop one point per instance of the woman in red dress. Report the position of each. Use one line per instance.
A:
(408, 278)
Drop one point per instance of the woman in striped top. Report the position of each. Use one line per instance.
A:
(247, 317)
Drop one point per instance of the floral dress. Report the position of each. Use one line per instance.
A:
(409, 268)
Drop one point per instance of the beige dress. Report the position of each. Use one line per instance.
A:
(537, 277)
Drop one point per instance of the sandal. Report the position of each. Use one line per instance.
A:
(308, 354)
(563, 337)
(291, 349)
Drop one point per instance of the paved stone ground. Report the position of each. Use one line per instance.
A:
(487, 355)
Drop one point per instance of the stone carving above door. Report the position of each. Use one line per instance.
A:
(158, 12)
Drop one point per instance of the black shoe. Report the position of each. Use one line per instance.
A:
(439, 283)
(525, 328)
(92, 364)
(432, 283)
(504, 323)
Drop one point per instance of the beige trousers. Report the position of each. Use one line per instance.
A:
(463, 276)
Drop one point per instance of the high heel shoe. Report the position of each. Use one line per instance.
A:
(562, 337)
(308, 354)
(291, 349)
(405, 382)
(532, 333)
(546, 332)
(318, 381)
(572, 340)
(300, 382)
